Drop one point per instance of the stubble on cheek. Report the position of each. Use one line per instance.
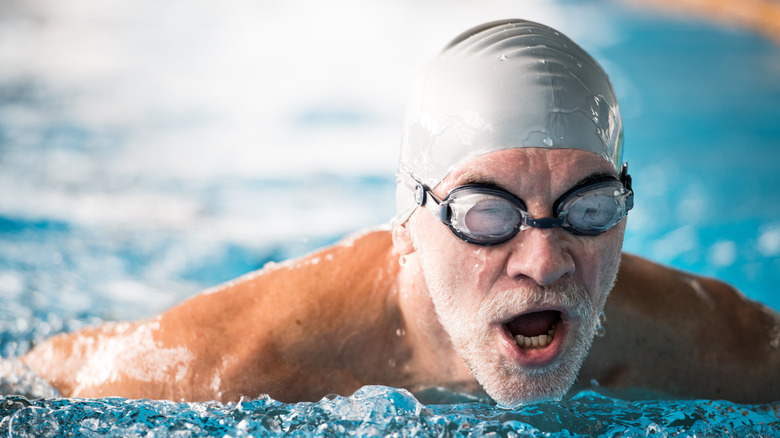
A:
(610, 255)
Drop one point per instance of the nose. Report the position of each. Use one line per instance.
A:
(540, 255)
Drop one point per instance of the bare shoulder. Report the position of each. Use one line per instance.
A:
(693, 304)
(289, 329)
(686, 335)
(285, 330)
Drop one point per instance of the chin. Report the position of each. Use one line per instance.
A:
(510, 385)
(511, 378)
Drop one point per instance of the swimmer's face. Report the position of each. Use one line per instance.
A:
(543, 288)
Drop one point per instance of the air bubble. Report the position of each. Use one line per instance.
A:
(33, 422)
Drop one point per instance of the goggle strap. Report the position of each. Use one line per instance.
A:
(625, 178)
(422, 198)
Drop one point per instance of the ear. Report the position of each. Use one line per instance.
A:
(402, 239)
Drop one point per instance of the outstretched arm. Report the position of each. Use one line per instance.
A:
(124, 359)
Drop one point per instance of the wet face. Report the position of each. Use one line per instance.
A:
(521, 314)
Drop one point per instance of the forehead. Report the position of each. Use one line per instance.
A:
(521, 167)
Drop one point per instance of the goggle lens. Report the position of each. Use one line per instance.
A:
(594, 210)
(484, 215)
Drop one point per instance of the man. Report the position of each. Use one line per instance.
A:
(493, 278)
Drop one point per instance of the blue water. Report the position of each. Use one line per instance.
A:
(706, 143)
(382, 411)
(128, 183)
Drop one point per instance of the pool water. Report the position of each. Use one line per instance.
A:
(137, 171)
(382, 411)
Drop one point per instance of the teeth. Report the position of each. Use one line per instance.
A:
(540, 341)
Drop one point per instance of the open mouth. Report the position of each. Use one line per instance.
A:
(534, 330)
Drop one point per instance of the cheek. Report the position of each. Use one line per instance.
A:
(599, 259)
(462, 269)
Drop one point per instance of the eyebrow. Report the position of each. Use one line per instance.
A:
(474, 178)
(596, 177)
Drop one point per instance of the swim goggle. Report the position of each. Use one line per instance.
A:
(485, 215)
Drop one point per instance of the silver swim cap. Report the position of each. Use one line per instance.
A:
(503, 85)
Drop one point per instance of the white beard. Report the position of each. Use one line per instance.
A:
(508, 383)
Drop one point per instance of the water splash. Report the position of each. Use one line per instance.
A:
(383, 411)
(601, 330)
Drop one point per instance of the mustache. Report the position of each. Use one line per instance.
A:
(576, 300)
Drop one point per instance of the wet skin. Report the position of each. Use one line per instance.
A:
(353, 315)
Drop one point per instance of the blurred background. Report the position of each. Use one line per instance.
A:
(149, 149)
